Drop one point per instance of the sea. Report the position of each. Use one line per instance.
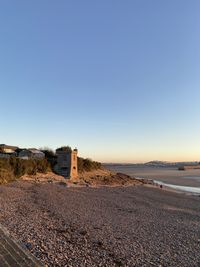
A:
(186, 181)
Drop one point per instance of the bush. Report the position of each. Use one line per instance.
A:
(42, 166)
(50, 156)
(6, 176)
(13, 168)
(64, 148)
(88, 165)
(19, 168)
(49, 153)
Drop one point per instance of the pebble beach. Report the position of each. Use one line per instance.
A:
(106, 226)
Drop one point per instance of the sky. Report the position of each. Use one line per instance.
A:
(117, 79)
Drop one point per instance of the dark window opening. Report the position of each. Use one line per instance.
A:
(65, 169)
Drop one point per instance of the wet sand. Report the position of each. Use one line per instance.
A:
(166, 175)
(109, 226)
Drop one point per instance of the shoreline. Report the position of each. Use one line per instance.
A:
(179, 188)
(90, 179)
(167, 175)
(170, 189)
(189, 190)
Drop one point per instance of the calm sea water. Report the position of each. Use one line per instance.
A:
(190, 189)
(188, 180)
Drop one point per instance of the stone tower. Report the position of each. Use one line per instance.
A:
(67, 163)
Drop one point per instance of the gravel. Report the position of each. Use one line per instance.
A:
(107, 226)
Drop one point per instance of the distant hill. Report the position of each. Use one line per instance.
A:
(156, 163)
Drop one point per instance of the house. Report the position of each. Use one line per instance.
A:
(31, 153)
(7, 150)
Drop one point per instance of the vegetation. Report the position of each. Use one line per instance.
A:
(64, 148)
(88, 165)
(13, 168)
(6, 175)
(50, 155)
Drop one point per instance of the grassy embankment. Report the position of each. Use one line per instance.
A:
(13, 168)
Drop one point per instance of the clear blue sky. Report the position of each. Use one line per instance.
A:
(118, 79)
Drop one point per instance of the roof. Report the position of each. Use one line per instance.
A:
(35, 151)
(8, 147)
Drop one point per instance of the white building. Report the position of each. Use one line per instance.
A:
(6, 150)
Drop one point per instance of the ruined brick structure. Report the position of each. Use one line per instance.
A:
(67, 163)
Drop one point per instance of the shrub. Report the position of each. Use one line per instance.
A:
(88, 165)
(18, 168)
(6, 176)
(42, 166)
(64, 148)
(49, 153)
(50, 156)
(13, 168)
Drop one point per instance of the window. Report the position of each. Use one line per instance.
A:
(64, 168)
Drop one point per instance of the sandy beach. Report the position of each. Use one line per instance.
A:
(109, 226)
